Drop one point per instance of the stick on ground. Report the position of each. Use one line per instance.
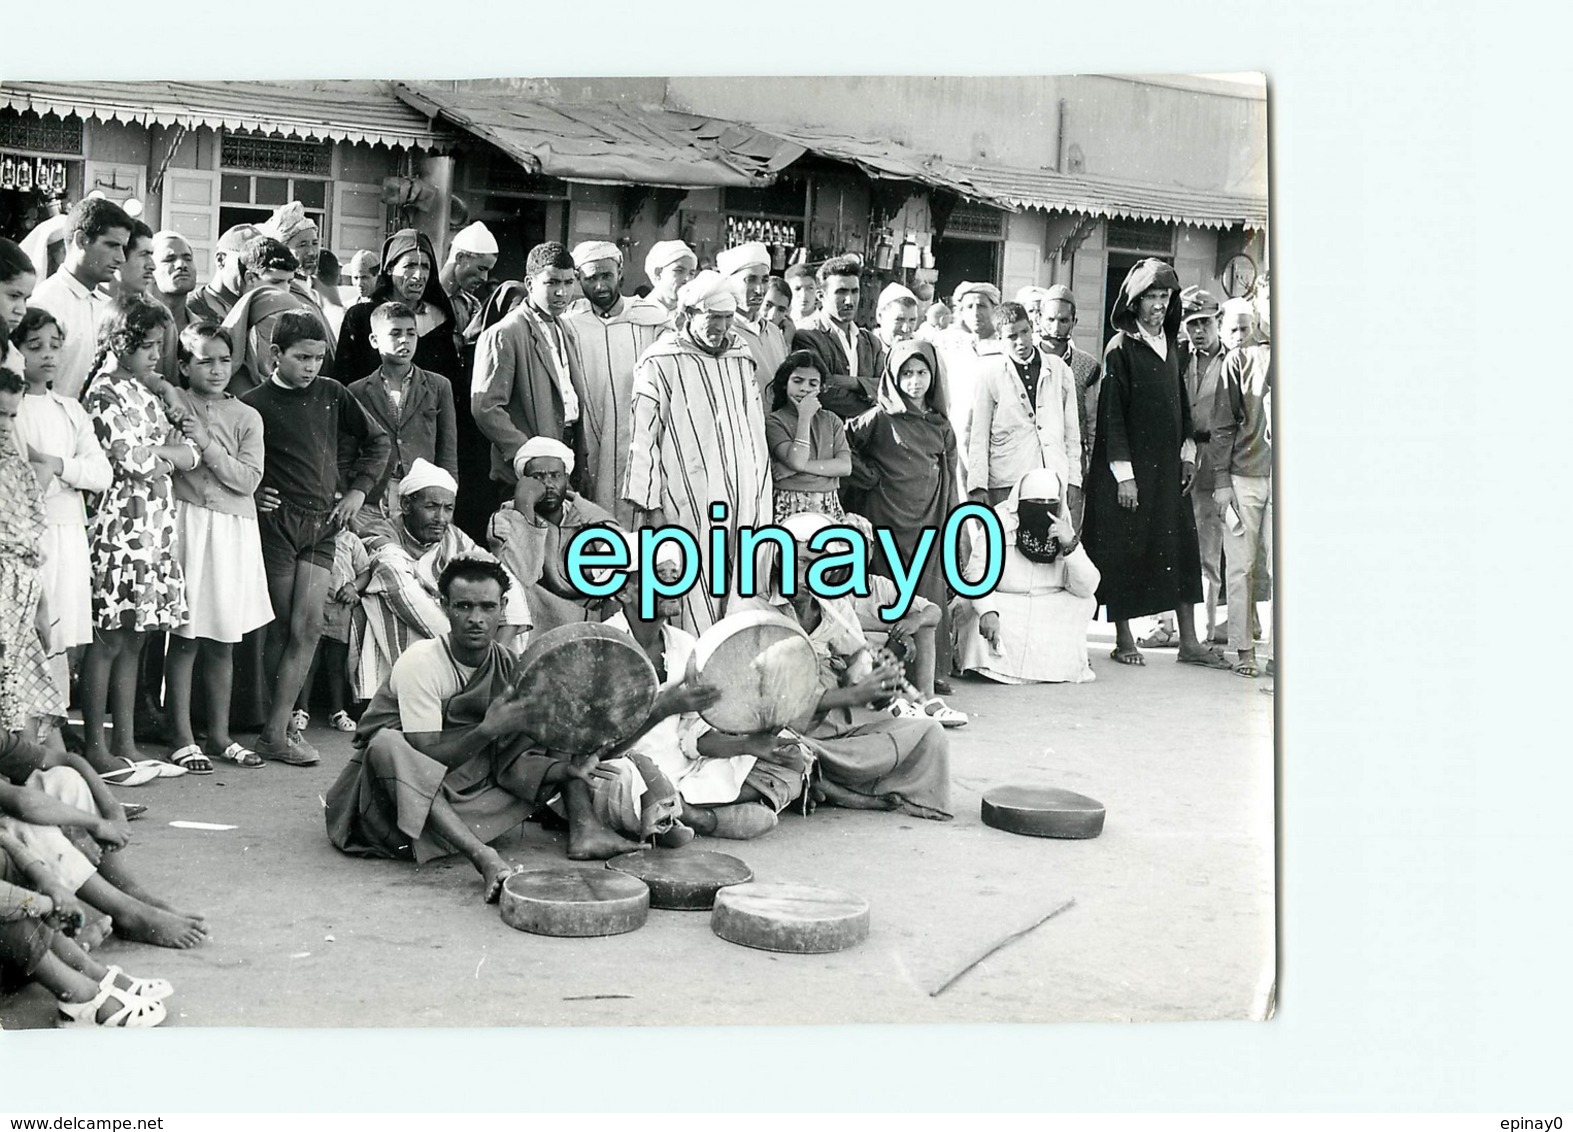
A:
(993, 947)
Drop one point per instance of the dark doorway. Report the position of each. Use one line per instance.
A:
(519, 223)
(1120, 264)
(961, 261)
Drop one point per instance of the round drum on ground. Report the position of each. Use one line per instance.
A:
(796, 918)
(682, 880)
(592, 686)
(766, 669)
(574, 902)
(1042, 811)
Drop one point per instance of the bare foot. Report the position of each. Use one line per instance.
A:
(494, 870)
(597, 843)
(1130, 655)
(94, 932)
(161, 928)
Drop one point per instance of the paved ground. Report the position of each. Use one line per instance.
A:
(1173, 913)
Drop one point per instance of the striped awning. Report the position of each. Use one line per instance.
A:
(1101, 196)
(316, 111)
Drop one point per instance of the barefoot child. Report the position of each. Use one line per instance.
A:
(305, 423)
(138, 584)
(220, 547)
(808, 445)
(57, 438)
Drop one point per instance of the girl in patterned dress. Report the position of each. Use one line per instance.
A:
(808, 445)
(138, 585)
(26, 690)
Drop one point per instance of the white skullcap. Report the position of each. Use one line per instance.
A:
(477, 239)
(1234, 308)
(288, 221)
(667, 550)
(592, 250)
(1029, 295)
(733, 260)
(664, 254)
(538, 446)
(423, 474)
(707, 291)
(804, 525)
(894, 293)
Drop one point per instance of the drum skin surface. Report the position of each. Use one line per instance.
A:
(589, 686)
(766, 668)
(1042, 811)
(574, 902)
(683, 880)
(795, 918)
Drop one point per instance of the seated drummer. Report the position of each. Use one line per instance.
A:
(878, 764)
(531, 534)
(400, 603)
(443, 762)
(730, 786)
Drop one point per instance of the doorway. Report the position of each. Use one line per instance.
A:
(1120, 264)
(963, 260)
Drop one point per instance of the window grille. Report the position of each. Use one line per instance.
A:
(1140, 236)
(277, 155)
(40, 134)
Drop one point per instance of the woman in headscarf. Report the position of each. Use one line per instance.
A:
(907, 467)
(1033, 627)
(1139, 526)
(408, 275)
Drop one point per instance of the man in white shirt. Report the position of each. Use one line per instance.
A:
(848, 353)
(96, 243)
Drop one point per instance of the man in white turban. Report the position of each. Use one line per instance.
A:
(699, 435)
(290, 226)
(471, 256)
(611, 330)
(896, 318)
(531, 534)
(669, 265)
(400, 603)
(970, 337)
(747, 270)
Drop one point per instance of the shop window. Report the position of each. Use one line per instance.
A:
(248, 199)
(40, 134)
(1150, 236)
(977, 221)
(276, 155)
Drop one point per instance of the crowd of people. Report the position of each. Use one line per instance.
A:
(224, 508)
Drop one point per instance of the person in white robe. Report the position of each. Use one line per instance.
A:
(699, 438)
(1033, 627)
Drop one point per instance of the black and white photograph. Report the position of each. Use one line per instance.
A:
(684, 551)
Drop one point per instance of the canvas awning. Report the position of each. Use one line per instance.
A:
(609, 142)
(1106, 197)
(330, 111)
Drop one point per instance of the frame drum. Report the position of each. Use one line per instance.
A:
(766, 668)
(590, 686)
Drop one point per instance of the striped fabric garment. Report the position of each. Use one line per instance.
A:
(609, 351)
(698, 439)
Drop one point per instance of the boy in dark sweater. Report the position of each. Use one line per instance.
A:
(305, 424)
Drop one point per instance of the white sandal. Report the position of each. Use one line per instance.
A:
(299, 720)
(947, 716)
(155, 989)
(134, 1013)
(905, 709)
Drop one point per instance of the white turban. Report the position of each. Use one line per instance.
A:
(423, 474)
(287, 222)
(733, 260)
(1029, 295)
(477, 239)
(592, 250)
(894, 293)
(664, 254)
(538, 446)
(707, 291)
(804, 525)
(987, 289)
